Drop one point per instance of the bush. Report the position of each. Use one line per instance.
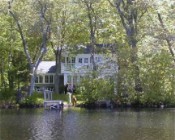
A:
(7, 94)
(93, 90)
(7, 97)
(35, 100)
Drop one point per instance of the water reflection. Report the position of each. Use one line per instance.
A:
(48, 126)
(80, 124)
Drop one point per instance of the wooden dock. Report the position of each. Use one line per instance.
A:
(52, 104)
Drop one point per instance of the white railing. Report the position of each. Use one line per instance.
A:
(68, 66)
(73, 67)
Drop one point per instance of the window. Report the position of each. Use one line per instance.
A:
(69, 78)
(36, 80)
(46, 79)
(70, 60)
(80, 60)
(85, 60)
(51, 78)
(97, 59)
(73, 59)
(40, 79)
(67, 59)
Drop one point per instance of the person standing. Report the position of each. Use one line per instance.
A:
(65, 88)
(69, 90)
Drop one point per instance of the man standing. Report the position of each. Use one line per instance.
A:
(65, 88)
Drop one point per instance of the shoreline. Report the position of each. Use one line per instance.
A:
(89, 106)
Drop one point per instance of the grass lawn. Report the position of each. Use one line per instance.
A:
(65, 97)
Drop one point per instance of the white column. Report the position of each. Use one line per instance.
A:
(72, 79)
(65, 78)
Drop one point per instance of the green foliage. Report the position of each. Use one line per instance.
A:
(126, 91)
(157, 79)
(7, 98)
(35, 100)
(7, 95)
(63, 97)
(93, 90)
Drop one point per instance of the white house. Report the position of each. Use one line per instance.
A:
(72, 69)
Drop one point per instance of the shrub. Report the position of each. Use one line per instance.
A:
(35, 100)
(93, 90)
(7, 96)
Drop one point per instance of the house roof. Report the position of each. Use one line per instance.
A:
(99, 48)
(47, 67)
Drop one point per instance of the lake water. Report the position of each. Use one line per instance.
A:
(82, 124)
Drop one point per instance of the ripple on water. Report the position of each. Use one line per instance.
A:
(71, 124)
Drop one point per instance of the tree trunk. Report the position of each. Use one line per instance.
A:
(92, 30)
(170, 45)
(11, 80)
(42, 48)
(129, 19)
(58, 82)
(3, 83)
(92, 45)
(134, 59)
(32, 79)
(32, 84)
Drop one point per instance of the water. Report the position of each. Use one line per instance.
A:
(81, 124)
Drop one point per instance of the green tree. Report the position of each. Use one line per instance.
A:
(158, 82)
(62, 17)
(93, 90)
(4, 51)
(10, 46)
(36, 20)
(131, 13)
(95, 24)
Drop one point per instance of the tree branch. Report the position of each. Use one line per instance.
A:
(166, 38)
(112, 4)
(24, 42)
